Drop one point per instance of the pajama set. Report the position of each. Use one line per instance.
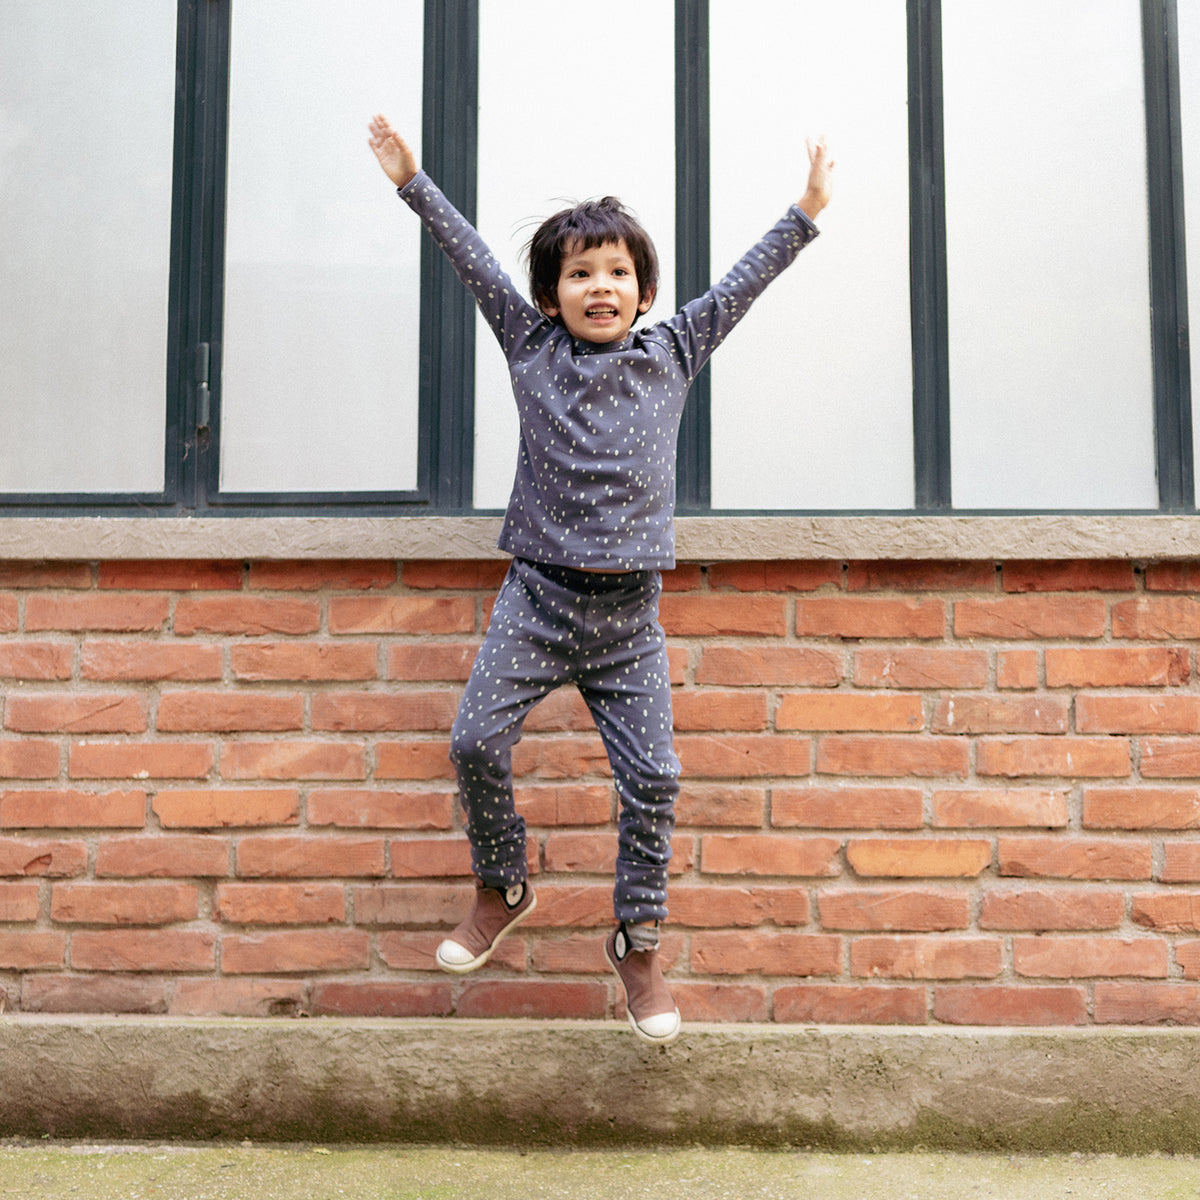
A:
(590, 525)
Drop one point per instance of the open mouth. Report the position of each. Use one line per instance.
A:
(601, 313)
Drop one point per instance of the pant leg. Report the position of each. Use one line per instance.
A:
(525, 655)
(624, 677)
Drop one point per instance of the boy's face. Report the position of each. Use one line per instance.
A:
(598, 294)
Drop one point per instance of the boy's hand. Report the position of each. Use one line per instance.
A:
(819, 191)
(397, 160)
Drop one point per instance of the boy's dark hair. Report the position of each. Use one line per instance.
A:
(587, 225)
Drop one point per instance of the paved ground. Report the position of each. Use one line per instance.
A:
(172, 1172)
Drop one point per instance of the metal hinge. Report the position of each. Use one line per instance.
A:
(203, 396)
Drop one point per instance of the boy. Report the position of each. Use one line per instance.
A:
(589, 526)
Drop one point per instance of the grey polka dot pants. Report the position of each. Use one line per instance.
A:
(552, 626)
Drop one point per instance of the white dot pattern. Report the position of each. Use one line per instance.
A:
(553, 626)
(595, 480)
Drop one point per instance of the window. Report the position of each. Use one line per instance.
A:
(216, 307)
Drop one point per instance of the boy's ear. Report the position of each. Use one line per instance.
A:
(547, 305)
(646, 301)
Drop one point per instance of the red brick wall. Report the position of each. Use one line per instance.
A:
(935, 792)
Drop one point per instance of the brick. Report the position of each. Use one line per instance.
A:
(586, 853)
(1137, 714)
(919, 858)
(382, 999)
(1074, 858)
(714, 615)
(175, 576)
(311, 575)
(238, 998)
(767, 666)
(419, 858)
(1080, 575)
(124, 903)
(580, 954)
(1116, 666)
(884, 712)
(149, 661)
(742, 756)
(1181, 862)
(743, 711)
(1085, 957)
(719, 1002)
(29, 759)
(366, 808)
(1141, 808)
(895, 756)
(402, 614)
(211, 808)
(775, 576)
(765, 953)
(39, 661)
(229, 712)
(408, 950)
(579, 804)
(559, 712)
(849, 1004)
(294, 760)
(1022, 617)
(719, 805)
(1147, 1004)
(1054, 757)
(315, 857)
(140, 760)
(414, 905)
(81, 713)
(535, 998)
(285, 953)
(560, 757)
(472, 574)
(245, 615)
(45, 575)
(1001, 714)
(19, 902)
(280, 903)
(432, 662)
(916, 669)
(685, 577)
(414, 759)
(384, 711)
(1000, 808)
(67, 809)
(1167, 912)
(1170, 758)
(10, 614)
(31, 950)
(170, 856)
(306, 661)
(817, 807)
(1173, 576)
(1051, 908)
(1017, 670)
(42, 857)
(112, 614)
(976, 1004)
(870, 617)
(167, 950)
(726, 906)
(765, 854)
(1154, 618)
(920, 576)
(1187, 954)
(92, 994)
(916, 957)
(912, 910)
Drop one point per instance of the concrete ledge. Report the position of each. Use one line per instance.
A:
(699, 539)
(594, 1084)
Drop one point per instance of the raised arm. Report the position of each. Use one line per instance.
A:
(819, 191)
(397, 160)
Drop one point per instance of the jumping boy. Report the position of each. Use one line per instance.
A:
(590, 527)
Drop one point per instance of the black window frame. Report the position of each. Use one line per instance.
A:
(447, 322)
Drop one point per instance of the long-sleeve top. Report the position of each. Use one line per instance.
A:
(595, 478)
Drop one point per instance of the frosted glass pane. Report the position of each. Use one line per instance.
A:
(812, 394)
(1189, 89)
(565, 115)
(1049, 306)
(319, 378)
(87, 99)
